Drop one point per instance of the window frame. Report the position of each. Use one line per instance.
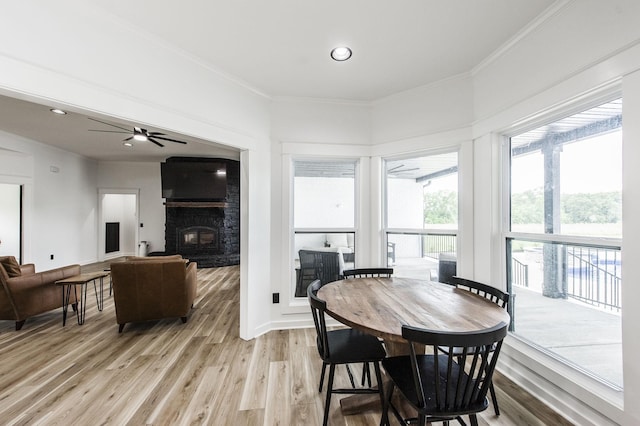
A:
(424, 232)
(559, 112)
(291, 288)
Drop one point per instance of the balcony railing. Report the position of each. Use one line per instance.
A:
(593, 276)
(520, 273)
(434, 244)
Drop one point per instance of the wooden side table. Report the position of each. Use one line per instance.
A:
(81, 280)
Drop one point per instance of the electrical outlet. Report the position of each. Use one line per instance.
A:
(51, 257)
(276, 297)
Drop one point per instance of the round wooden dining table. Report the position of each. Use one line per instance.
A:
(381, 306)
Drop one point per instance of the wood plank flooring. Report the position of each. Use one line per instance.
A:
(169, 373)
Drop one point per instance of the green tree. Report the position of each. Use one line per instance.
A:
(600, 207)
(527, 207)
(441, 207)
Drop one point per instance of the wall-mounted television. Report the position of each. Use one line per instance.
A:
(194, 180)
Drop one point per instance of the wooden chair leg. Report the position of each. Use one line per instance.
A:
(184, 320)
(120, 328)
(19, 324)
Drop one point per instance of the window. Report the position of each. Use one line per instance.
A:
(324, 220)
(422, 215)
(564, 238)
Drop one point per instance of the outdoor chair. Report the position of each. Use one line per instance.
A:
(316, 264)
(444, 387)
(342, 346)
(493, 294)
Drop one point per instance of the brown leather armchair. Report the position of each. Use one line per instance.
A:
(27, 293)
(150, 288)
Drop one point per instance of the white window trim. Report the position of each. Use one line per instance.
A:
(565, 388)
(464, 244)
(289, 303)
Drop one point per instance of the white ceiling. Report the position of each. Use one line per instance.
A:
(280, 48)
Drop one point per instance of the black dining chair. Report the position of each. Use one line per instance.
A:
(367, 272)
(342, 346)
(444, 387)
(493, 294)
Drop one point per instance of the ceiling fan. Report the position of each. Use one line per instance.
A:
(138, 134)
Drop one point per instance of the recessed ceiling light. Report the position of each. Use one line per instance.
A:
(58, 111)
(341, 53)
(127, 144)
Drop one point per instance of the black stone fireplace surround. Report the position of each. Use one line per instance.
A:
(206, 232)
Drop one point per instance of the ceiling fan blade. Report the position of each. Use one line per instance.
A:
(155, 134)
(127, 139)
(156, 142)
(109, 131)
(170, 140)
(109, 124)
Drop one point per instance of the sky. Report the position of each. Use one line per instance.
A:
(589, 165)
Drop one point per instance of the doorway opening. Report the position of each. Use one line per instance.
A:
(118, 211)
(11, 220)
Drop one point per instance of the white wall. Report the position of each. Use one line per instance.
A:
(144, 177)
(320, 121)
(574, 39)
(433, 109)
(60, 207)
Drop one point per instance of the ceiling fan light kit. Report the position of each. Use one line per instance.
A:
(138, 134)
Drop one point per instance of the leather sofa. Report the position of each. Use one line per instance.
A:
(152, 288)
(26, 293)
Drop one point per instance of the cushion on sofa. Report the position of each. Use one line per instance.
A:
(11, 266)
(337, 240)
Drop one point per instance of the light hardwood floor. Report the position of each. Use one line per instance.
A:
(169, 373)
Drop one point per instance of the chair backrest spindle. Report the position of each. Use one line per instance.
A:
(454, 383)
